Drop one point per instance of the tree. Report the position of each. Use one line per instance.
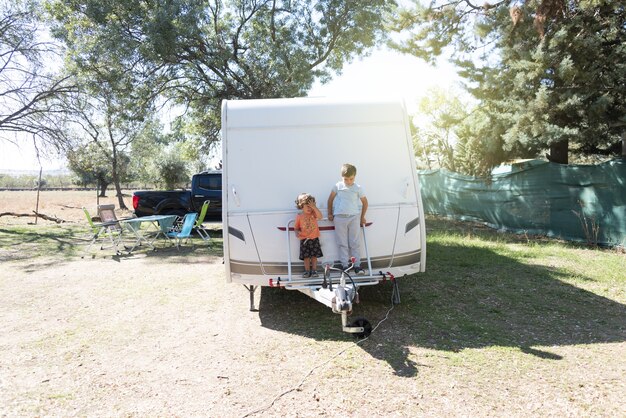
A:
(550, 73)
(108, 125)
(146, 150)
(457, 135)
(31, 93)
(40, 184)
(479, 147)
(92, 166)
(443, 112)
(115, 105)
(198, 53)
(173, 170)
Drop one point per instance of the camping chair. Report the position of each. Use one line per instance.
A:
(198, 227)
(102, 231)
(186, 229)
(107, 215)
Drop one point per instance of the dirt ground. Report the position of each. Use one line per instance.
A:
(163, 334)
(167, 336)
(66, 206)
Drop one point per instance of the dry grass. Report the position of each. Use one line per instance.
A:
(65, 205)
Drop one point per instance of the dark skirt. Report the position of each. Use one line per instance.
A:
(310, 248)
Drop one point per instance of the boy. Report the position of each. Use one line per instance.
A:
(343, 209)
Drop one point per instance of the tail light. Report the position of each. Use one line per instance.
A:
(135, 202)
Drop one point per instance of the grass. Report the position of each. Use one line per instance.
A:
(481, 288)
(66, 241)
(498, 322)
(485, 289)
(28, 241)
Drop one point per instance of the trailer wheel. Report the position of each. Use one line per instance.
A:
(362, 322)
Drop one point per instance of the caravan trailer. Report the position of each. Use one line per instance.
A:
(275, 149)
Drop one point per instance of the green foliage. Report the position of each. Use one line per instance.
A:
(89, 165)
(59, 180)
(479, 149)
(27, 181)
(92, 166)
(199, 53)
(41, 184)
(117, 98)
(443, 113)
(146, 149)
(454, 133)
(173, 170)
(24, 181)
(545, 72)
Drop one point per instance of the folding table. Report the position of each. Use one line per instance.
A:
(160, 224)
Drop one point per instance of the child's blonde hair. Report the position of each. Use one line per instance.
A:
(304, 199)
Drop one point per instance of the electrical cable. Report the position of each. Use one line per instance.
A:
(310, 372)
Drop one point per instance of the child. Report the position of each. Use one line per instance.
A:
(343, 208)
(308, 233)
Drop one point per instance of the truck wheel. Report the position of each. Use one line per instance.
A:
(178, 212)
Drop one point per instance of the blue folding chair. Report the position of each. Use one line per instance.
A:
(185, 231)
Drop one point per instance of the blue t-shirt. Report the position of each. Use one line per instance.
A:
(348, 199)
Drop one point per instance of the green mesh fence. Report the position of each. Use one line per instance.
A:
(573, 202)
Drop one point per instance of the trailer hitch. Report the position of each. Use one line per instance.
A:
(342, 301)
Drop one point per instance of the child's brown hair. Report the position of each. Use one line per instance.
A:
(304, 199)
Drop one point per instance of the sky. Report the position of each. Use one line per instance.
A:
(389, 74)
(384, 73)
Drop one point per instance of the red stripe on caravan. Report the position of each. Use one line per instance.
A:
(322, 228)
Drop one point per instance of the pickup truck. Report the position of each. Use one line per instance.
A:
(204, 186)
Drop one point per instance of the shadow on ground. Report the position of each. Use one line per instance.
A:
(59, 240)
(497, 303)
(45, 248)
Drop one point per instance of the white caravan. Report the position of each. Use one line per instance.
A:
(275, 149)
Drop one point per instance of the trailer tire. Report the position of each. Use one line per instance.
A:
(362, 322)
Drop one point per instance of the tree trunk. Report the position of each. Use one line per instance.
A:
(624, 145)
(120, 197)
(116, 181)
(103, 189)
(559, 152)
(114, 172)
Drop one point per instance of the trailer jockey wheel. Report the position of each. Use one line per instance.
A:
(362, 322)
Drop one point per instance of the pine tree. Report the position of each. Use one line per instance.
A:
(549, 74)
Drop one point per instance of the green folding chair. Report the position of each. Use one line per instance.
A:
(198, 227)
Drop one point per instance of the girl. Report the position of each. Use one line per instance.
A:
(308, 233)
